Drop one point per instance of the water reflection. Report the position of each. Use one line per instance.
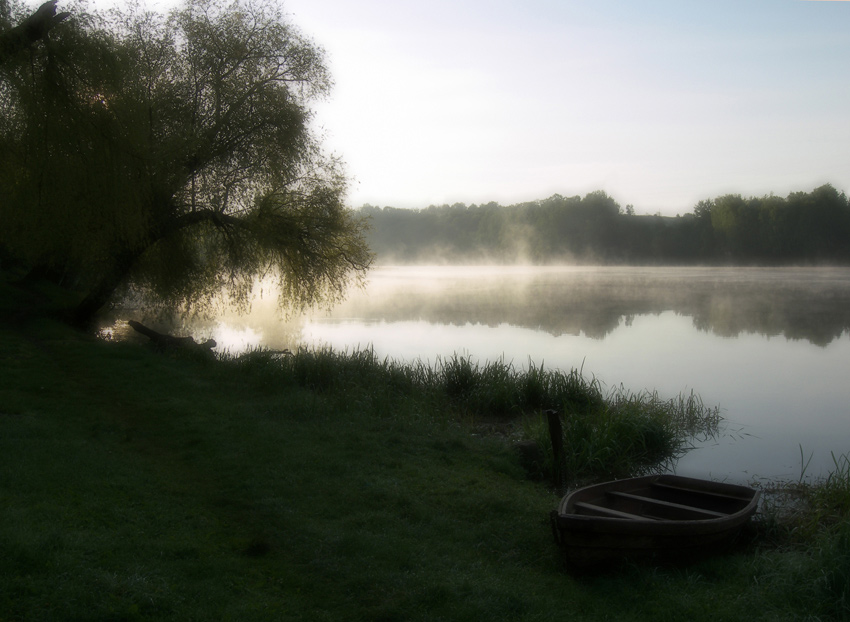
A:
(264, 326)
(798, 303)
(811, 304)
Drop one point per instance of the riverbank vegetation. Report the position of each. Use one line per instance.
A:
(606, 435)
(802, 228)
(139, 485)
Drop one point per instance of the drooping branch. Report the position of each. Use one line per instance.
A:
(33, 28)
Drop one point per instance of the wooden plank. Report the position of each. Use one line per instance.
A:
(598, 509)
(667, 504)
(710, 493)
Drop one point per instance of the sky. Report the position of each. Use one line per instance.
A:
(660, 103)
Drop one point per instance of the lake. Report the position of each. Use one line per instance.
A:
(769, 346)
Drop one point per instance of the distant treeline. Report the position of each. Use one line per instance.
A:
(802, 228)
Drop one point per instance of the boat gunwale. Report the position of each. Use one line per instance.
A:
(567, 518)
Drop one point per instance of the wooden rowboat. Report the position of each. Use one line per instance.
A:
(663, 517)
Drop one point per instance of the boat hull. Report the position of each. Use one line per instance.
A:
(660, 517)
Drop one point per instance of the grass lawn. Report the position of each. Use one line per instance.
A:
(141, 486)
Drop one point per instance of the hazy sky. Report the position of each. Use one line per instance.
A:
(660, 103)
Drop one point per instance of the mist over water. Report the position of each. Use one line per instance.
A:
(810, 304)
(770, 346)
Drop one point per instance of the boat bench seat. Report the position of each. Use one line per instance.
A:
(702, 493)
(598, 510)
(667, 504)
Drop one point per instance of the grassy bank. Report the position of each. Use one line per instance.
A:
(321, 486)
(605, 435)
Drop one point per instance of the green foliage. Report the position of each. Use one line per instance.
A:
(808, 521)
(497, 392)
(805, 508)
(802, 228)
(832, 496)
(833, 559)
(493, 392)
(623, 435)
(173, 154)
(618, 435)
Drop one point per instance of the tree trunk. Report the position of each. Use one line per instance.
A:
(99, 296)
(165, 342)
(84, 313)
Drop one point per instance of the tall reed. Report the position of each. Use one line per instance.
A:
(625, 434)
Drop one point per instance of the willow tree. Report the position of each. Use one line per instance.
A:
(174, 155)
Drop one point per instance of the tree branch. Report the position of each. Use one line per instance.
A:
(32, 29)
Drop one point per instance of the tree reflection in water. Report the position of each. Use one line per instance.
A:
(797, 303)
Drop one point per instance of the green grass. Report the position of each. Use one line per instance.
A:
(321, 486)
(806, 524)
(617, 435)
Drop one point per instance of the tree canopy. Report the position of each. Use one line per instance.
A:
(173, 154)
(804, 228)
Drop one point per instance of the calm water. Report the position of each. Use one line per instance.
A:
(771, 347)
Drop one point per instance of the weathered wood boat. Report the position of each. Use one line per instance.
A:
(662, 517)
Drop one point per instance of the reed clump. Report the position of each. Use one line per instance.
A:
(797, 511)
(625, 434)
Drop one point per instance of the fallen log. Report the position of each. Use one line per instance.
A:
(166, 342)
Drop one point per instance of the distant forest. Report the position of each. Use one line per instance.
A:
(802, 228)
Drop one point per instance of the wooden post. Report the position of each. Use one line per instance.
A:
(556, 434)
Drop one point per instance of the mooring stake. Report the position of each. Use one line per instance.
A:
(558, 459)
